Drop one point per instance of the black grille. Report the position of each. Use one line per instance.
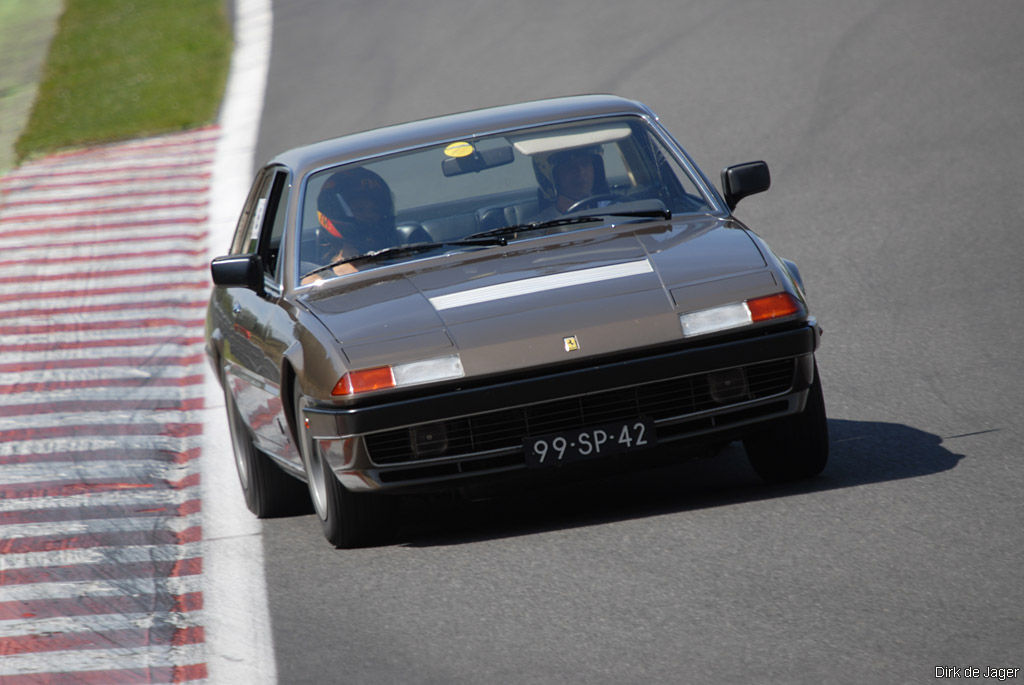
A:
(660, 400)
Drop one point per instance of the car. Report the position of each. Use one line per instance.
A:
(502, 298)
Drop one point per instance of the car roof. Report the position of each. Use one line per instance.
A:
(414, 134)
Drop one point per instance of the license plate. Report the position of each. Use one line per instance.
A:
(555, 449)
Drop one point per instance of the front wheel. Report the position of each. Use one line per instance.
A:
(795, 447)
(348, 519)
(268, 490)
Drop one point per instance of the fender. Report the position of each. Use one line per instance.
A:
(794, 272)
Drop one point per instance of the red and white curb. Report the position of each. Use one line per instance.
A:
(102, 291)
(126, 551)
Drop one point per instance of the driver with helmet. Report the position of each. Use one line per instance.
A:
(568, 176)
(356, 215)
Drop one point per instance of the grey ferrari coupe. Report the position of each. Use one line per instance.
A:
(500, 297)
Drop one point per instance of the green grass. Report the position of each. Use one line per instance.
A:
(121, 69)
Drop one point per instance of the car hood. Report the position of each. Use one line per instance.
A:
(607, 289)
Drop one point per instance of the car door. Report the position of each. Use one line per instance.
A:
(256, 339)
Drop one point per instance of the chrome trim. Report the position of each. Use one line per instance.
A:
(271, 287)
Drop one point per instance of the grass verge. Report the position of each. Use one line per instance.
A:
(121, 69)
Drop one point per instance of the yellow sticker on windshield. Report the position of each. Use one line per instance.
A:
(461, 149)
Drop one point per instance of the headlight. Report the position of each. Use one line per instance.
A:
(738, 314)
(399, 375)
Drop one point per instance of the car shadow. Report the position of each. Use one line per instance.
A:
(861, 453)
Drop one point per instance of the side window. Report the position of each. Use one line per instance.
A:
(251, 220)
(261, 224)
(276, 210)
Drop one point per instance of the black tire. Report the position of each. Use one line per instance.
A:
(268, 490)
(795, 447)
(348, 519)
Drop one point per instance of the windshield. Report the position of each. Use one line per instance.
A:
(446, 193)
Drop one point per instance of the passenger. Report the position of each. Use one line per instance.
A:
(356, 213)
(568, 176)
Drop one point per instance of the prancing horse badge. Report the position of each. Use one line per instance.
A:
(571, 343)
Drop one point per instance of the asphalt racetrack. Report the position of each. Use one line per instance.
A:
(893, 131)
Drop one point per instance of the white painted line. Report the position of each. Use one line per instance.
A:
(79, 624)
(93, 443)
(113, 178)
(63, 281)
(133, 658)
(111, 374)
(167, 348)
(539, 284)
(67, 323)
(20, 227)
(154, 269)
(121, 209)
(68, 195)
(155, 420)
(101, 394)
(95, 161)
(139, 297)
(149, 498)
(156, 334)
(104, 555)
(115, 587)
(105, 525)
(80, 251)
(15, 272)
(240, 646)
(86, 471)
(123, 586)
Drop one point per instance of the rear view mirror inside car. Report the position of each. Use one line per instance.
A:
(475, 160)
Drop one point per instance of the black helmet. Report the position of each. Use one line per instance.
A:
(345, 187)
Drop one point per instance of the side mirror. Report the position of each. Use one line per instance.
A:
(741, 180)
(238, 271)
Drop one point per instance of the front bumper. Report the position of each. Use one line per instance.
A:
(457, 436)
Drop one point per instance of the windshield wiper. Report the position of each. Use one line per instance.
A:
(398, 250)
(649, 212)
(650, 208)
(653, 209)
(534, 225)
